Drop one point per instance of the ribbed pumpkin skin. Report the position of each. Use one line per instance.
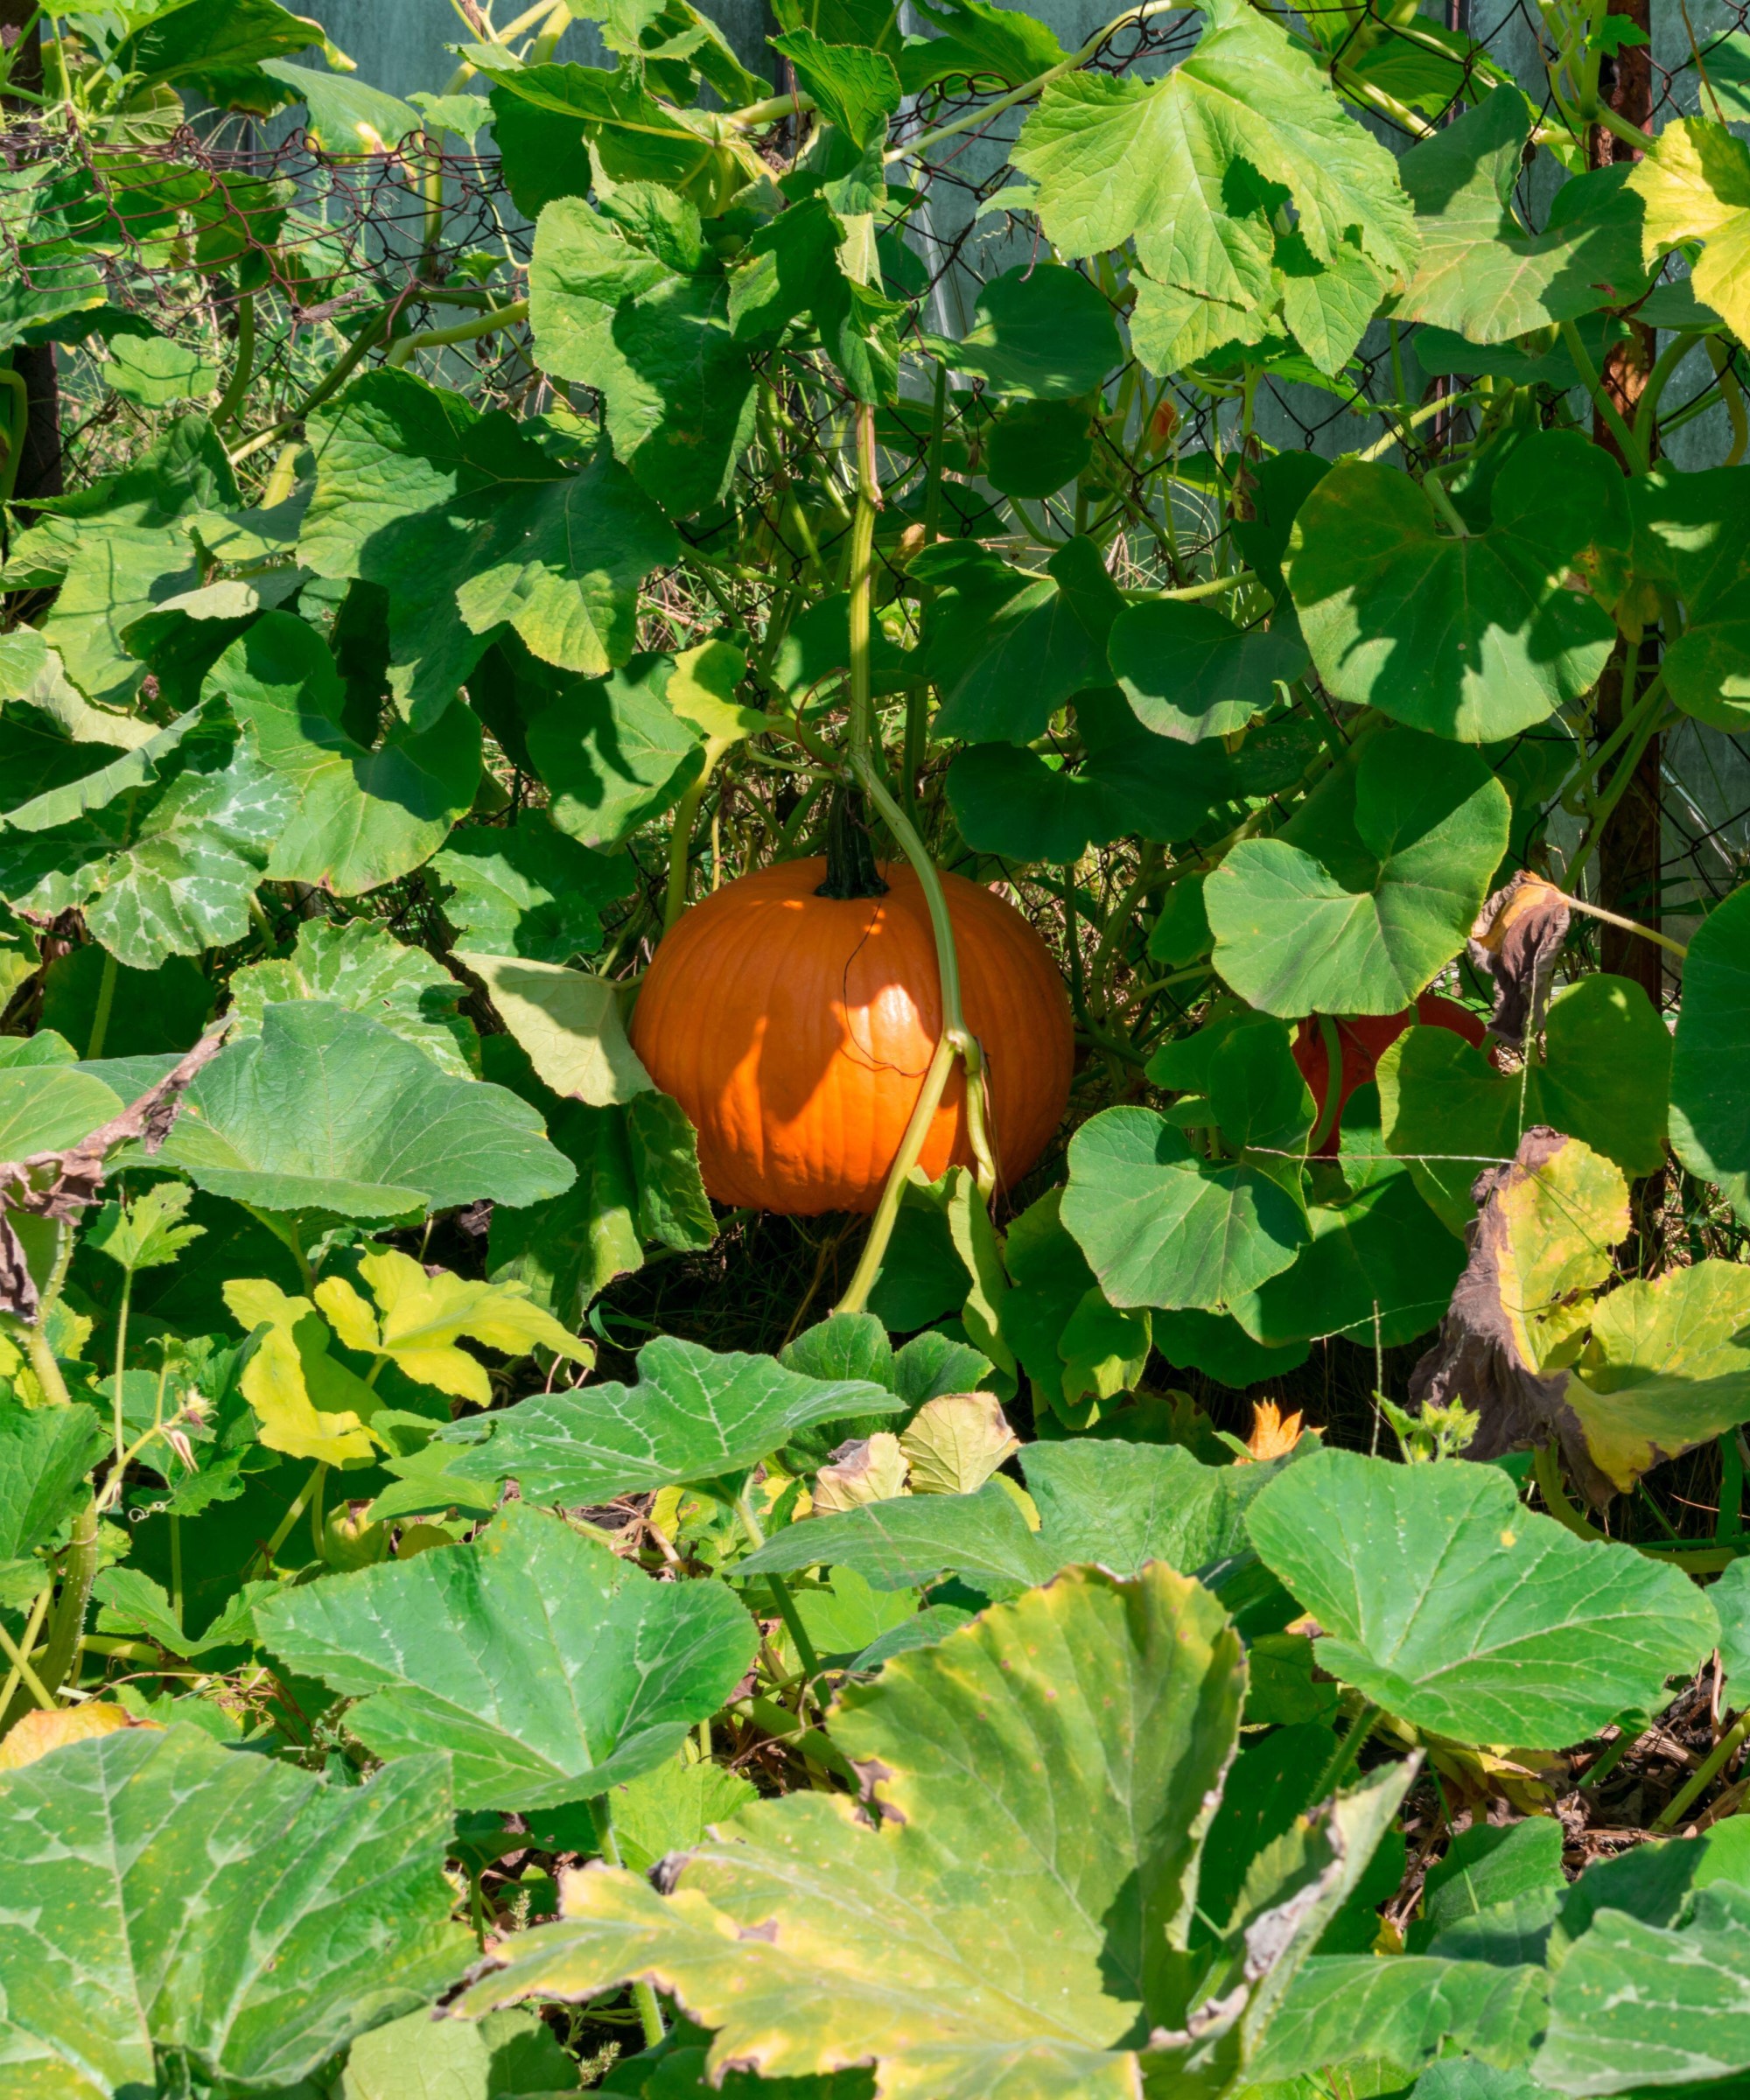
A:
(796, 1031)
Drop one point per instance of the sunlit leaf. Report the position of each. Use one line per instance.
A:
(175, 1901)
(549, 1669)
(1448, 1603)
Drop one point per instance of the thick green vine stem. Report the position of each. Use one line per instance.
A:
(956, 1040)
(67, 1622)
(1705, 1774)
(1546, 1470)
(881, 1225)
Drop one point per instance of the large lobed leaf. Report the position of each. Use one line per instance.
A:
(1011, 1927)
(327, 1110)
(168, 1895)
(549, 1668)
(1123, 1505)
(1446, 1602)
(693, 1417)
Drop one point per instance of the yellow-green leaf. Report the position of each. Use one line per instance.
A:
(1695, 183)
(1668, 1367)
(310, 1405)
(569, 1023)
(420, 1318)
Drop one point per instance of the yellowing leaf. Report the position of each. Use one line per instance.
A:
(311, 1406)
(1561, 1218)
(423, 1316)
(1540, 1247)
(570, 1023)
(702, 689)
(871, 1470)
(39, 1731)
(1668, 1367)
(955, 1442)
(1695, 183)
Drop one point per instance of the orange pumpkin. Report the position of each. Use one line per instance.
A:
(796, 1031)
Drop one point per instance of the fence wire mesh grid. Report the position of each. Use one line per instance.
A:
(352, 252)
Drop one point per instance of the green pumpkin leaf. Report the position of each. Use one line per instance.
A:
(980, 39)
(44, 1455)
(419, 2058)
(1710, 1110)
(1044, 1958)
(693, 1418)
(360, 817)
(654, 341)
(638, 1180)
(1161, 1226)
(1474, 639)
(527, 889)
(1449, 1604)
(853, 87)
(547, 1667)
(1027, 806)
(161, 873)
(46, 1108)
(1115, 157)
(1637, 2006)
(1120, 1504)
(1479, 273)
(572, 1025)
(1372, 888)
(1380, 1266)
(464, 521)
(328, 1111)
(910, 1540)
(154, 371)
(343, 114)
(1404, 2011)
(1188, 672)
(175, 1901)
(613, 753)
(1603, 1079)
(636, 138)
(366, 970)
(1036, 447)
(1040, 332)
(1008, 650)
(1072, 1344)
(205, 36)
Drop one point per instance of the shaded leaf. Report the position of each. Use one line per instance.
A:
(1188, 672)
(1479, 273)
(528, 889)
(1040, 331)
(1471, 639)
(1370, 889)
(1604, 1078)
(361, 817)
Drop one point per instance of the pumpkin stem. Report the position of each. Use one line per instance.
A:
(851, 869)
